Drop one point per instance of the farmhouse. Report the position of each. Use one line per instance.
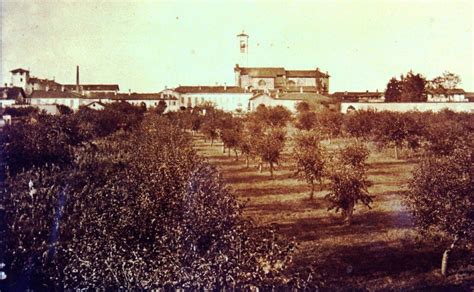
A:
(148, 100)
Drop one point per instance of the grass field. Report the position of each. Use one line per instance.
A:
(379, 251)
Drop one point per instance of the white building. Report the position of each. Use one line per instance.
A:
(289, 99)
(149, 100)
(227, 98)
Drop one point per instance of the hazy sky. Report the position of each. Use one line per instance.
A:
(147, 45)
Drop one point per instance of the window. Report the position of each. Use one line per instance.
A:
(262, 82)
(196, 100)
(202, 99)
(182, 100)
(21, 79)
(291, 83)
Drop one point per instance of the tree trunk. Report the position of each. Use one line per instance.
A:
(223, 148)
(445, 259)
(320, 185)
(236, 155)
(311, 195)
(271, 170)
(348, 214)
(260, 166)
(212, 141)
(396, 152)
(228, 152)
(247, 160)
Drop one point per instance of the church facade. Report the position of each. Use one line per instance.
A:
(278, 78)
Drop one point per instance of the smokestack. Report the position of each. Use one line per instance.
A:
(77, 78)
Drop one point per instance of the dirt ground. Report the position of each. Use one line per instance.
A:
(379, 251)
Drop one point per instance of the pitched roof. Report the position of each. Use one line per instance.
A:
(35, 80)
(21, 70)
(93, 87)
(264, 72)
(295, 96)
(357, 94)
(12, 92)
(272, 72)
(469, 96)
(446, 91)
(53, 94)
(143, 96)
(305, 73)
(209, 89)
(298, 88)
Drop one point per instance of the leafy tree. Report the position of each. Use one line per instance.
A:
(309, 158)
(278, 116)
(441, 199)
(348, 182)
(360, 124)
(413, 88)
(355, 155)
(20, 111)
(306, 120)
(302, 107)
(269, 145)
(330, 123)
(393, 92)
(161, 108)
(444, 84)
(64, 109)
(394, 130)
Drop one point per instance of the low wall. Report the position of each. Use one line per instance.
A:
(408, 106)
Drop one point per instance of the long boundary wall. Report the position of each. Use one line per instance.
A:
(408, 106)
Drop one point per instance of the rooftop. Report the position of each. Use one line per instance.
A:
(271, 72)
(93, 87)
(19, 70)
(53, 94)
(209, 89)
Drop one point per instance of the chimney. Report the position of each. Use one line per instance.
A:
(225, 86)
(77, 79)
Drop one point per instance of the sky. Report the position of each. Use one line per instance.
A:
(145, 46)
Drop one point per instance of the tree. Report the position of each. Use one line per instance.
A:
(278, 116)
(269, 145)
(309, 159)
(441, 199)
(348, 182)
(64, 109)
(167, 218)
(444, 84)
(393, 92)
(161, 108)
(413, 88)
(306, 120)
(302, 107)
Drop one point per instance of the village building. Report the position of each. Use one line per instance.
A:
(271, 78)
(227, 98)
(149, 100)
(11, 95)
(447, 95)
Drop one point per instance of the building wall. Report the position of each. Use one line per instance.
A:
(20, 79)
(268, 101)
(409, 106)
(299, 81)
(171, 105)
(442, 98)
(231, 102)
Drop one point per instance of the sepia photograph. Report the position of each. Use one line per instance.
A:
(265, 145)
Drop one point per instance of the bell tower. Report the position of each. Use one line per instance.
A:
(244, 48)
